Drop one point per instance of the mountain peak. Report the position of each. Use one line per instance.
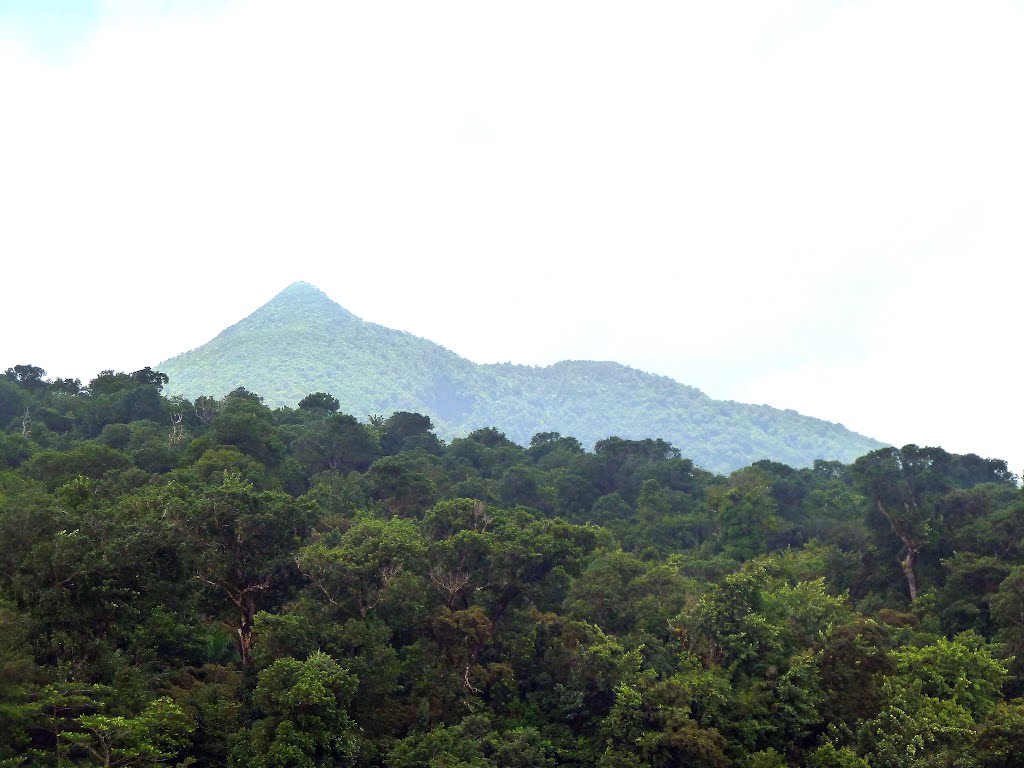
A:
(301, 288)
(304, 297)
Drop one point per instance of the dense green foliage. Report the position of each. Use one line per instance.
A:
(217, 583)
(303, 342)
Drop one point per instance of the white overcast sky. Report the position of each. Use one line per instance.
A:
(815, 205)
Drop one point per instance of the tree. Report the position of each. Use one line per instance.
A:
(1007, 607)
(241, 543)
(303, 719)
(444, 746)
(401, 490)
(29, 377)
(625, 464)
(155, 735)
(914, 730)
(14, 402)
(901, 485)
(544, 444)
(1000, 735)
(58, 705)
(854, 661)
(961, 670)
(123, 398)
(744, 514)
(653, 718)
(211, 697)
(933, 702)
(108, 382)
(338, 442)
(18, 677)
(216, 461)
(247, 426)
(403, 431)
(356, 569)
(971, 581)
(828, 756)
(147, 377)
(92, 460)
(69, 387)
(728, 626)
(319, 401)
(621, 593)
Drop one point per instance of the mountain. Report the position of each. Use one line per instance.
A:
(301, 342)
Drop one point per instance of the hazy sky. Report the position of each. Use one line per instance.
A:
(816, 205)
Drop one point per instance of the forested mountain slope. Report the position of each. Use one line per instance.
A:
(217, 583)
(302, 342)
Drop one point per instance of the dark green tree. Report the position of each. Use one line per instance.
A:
(242, 545)
(901, 486)
(319, 402)
(302, 717)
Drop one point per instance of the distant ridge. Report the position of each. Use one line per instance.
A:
(301, 341)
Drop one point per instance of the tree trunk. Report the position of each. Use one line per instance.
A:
(245, 630)
(907, 563)
(908, 569)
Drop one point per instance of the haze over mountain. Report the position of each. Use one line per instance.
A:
(301, 342)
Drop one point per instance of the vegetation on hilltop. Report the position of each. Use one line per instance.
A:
(303, 342)
(214, 582)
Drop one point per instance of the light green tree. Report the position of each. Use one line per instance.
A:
(155, 735)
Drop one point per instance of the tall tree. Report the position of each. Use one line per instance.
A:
(241, 543)
(901, 485)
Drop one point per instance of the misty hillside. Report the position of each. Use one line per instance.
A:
(301, 342)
